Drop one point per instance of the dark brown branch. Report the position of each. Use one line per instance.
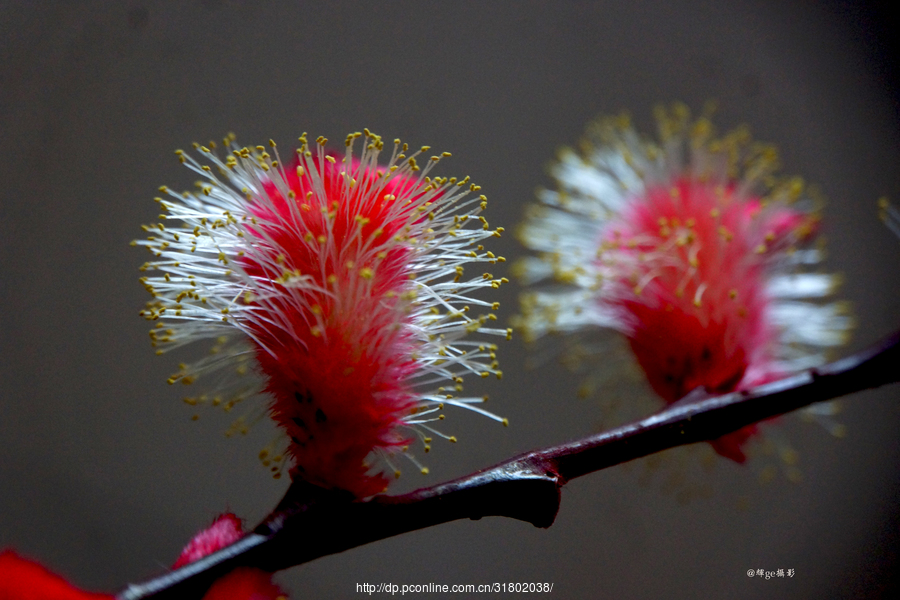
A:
(527, 487)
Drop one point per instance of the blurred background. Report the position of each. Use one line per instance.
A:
(103, 475)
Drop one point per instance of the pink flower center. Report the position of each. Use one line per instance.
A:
(332, 347)
(688, 261)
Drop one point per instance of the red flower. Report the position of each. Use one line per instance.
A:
(225, 530)
(22, 579)
(244, 583)
(338, 283)
(692, 250)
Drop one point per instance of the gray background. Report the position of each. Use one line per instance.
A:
(103, 477)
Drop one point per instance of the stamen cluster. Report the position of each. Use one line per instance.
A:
(333, 284)
(691, 248)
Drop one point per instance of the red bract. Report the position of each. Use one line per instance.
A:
(243, 583)
(224, 531)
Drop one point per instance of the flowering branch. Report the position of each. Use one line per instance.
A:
(526, 487)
